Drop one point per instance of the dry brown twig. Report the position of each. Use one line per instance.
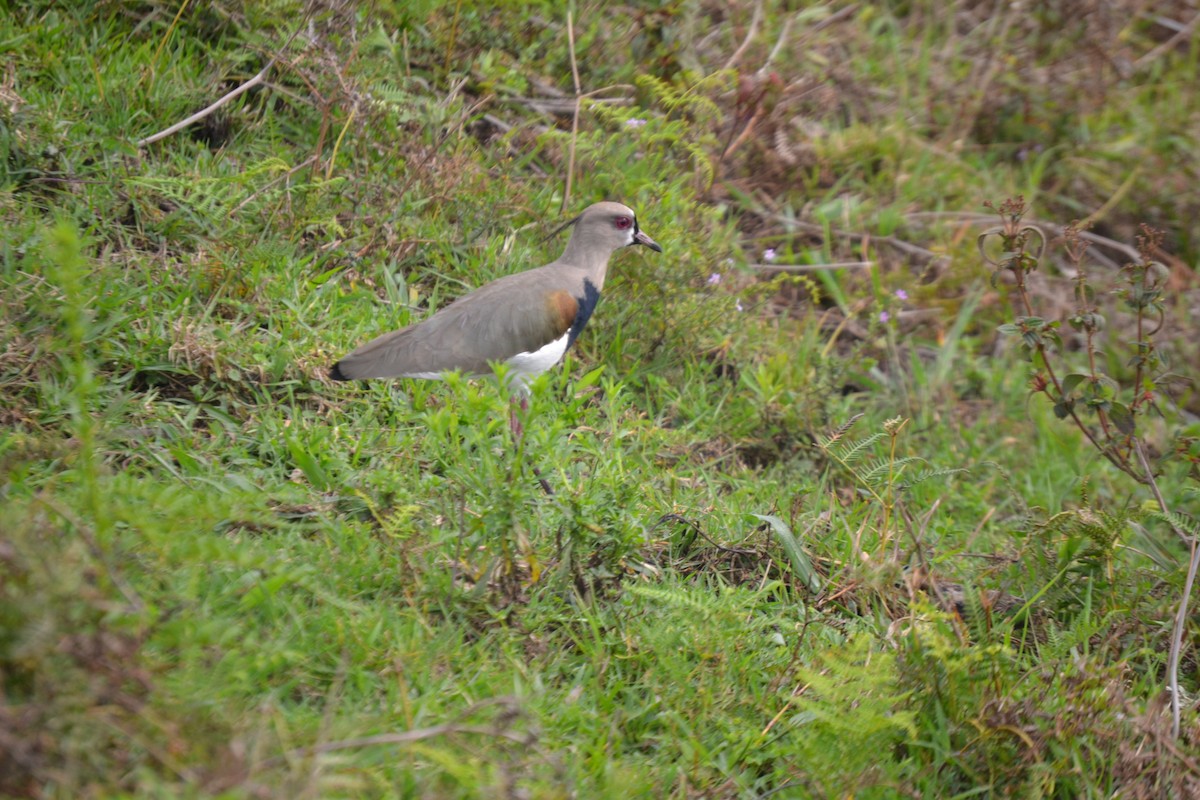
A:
(199, 115)
(751, 32)
(812, 267)
(550, 106)
(509, 710)
(780, 41)
(580, 96)
(1176, 650)
(1125, 250)
(891, 241)
(1183, 34)
(245, 87)
(575, 115)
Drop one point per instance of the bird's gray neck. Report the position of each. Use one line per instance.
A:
(579, 255)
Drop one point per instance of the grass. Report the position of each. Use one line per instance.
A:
(794, 548)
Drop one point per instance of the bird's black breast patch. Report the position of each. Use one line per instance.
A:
(587, 304)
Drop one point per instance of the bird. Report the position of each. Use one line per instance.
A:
(527, 320)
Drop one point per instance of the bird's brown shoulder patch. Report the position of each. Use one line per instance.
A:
(562, 308)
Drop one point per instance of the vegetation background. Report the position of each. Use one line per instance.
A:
(817, 530)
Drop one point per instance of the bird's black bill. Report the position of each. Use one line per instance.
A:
(641, 238)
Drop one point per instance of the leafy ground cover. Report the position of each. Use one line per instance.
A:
(819, 525)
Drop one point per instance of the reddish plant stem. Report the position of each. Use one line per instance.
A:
(1120, 463)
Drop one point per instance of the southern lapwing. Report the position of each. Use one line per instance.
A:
(527, 320)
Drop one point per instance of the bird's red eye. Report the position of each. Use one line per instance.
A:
(622, 223)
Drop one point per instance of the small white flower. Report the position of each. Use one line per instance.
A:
(738, 306)
(714, 279)
(634, 123)
(769, 254)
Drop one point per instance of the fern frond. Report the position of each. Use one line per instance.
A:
(405, 106)
(211, 199)
(607, 112)
(927, 474)
(977, 618)
(702, 161)
(855, 451)
(1055, 639)
(877, 471)
(657, 88)
(1177, 519)
(838, 433)
(854, 704)
(1057, 523)
(705, 604)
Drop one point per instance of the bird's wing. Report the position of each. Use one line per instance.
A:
(494, 323)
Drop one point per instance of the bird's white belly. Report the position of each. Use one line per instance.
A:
(429, 376)
(526, 366)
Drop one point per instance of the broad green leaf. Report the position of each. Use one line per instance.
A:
(800, 562)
